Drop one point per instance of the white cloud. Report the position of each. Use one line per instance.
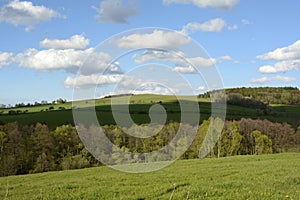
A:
(115, 11)
(201, 88)
(146, 90)
(284, 53)
(25, 13)
(156, 55)
(70, 60)
(92, 80)
(202, 62)
(74, 42)
(156, 39)
(283, 66)
(52, 58)
(126, 84)
(218, 4)
(288, 59)
(132, 82)
(185, 70)
(267, 69)
(182, 64)
(272, 79)
(5, 59)
(151, 89)
(214, 25)
(178, 58)
(68, 55)
(227, 58)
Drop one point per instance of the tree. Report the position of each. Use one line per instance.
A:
(230, 142)
(44, 148)
(280, 134)
(3, 139)
(13, 152)
(44, 102)
(198, 148)
(262, 144)
(43, 163)
(61, 101)
(67, 143)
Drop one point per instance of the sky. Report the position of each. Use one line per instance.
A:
(49, 49)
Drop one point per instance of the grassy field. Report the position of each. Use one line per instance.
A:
(139, 107)
(274, 176)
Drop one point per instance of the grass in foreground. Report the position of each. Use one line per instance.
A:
(274, 176)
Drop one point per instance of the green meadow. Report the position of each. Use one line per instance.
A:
(275, 176)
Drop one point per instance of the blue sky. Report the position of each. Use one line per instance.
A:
(44, 44)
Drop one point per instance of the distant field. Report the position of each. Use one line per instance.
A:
(274, 176)
(139, 107)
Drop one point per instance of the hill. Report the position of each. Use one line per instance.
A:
(268, 95)
(56, 115)
(274, 176)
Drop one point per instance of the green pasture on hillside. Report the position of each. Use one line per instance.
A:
(275, 176)
(139, 108)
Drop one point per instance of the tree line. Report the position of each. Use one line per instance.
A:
(261, 95)
(35, 148)
(43, 102)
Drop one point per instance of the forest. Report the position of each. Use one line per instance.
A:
(36, 148)
(263, 95)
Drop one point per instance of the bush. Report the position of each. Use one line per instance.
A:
(74, 162)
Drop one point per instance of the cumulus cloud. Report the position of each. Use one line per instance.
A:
(214, 25)
(284, 53)
(227, 58)
(74, 42)
(156, 39)
(151, 89)
(83, 81)
(157, 55)
(116, 11)
(218, 4)
(195, 62)
(133, 82)
(69, 55)
(52, 58)
(126, 84)
(288, 59)
(283, 66)
(185, 70)
(272, 79)
(5, 59)
(202, 62)
(183, 64)
(25, 13)
(70, 60)
(178, 58)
